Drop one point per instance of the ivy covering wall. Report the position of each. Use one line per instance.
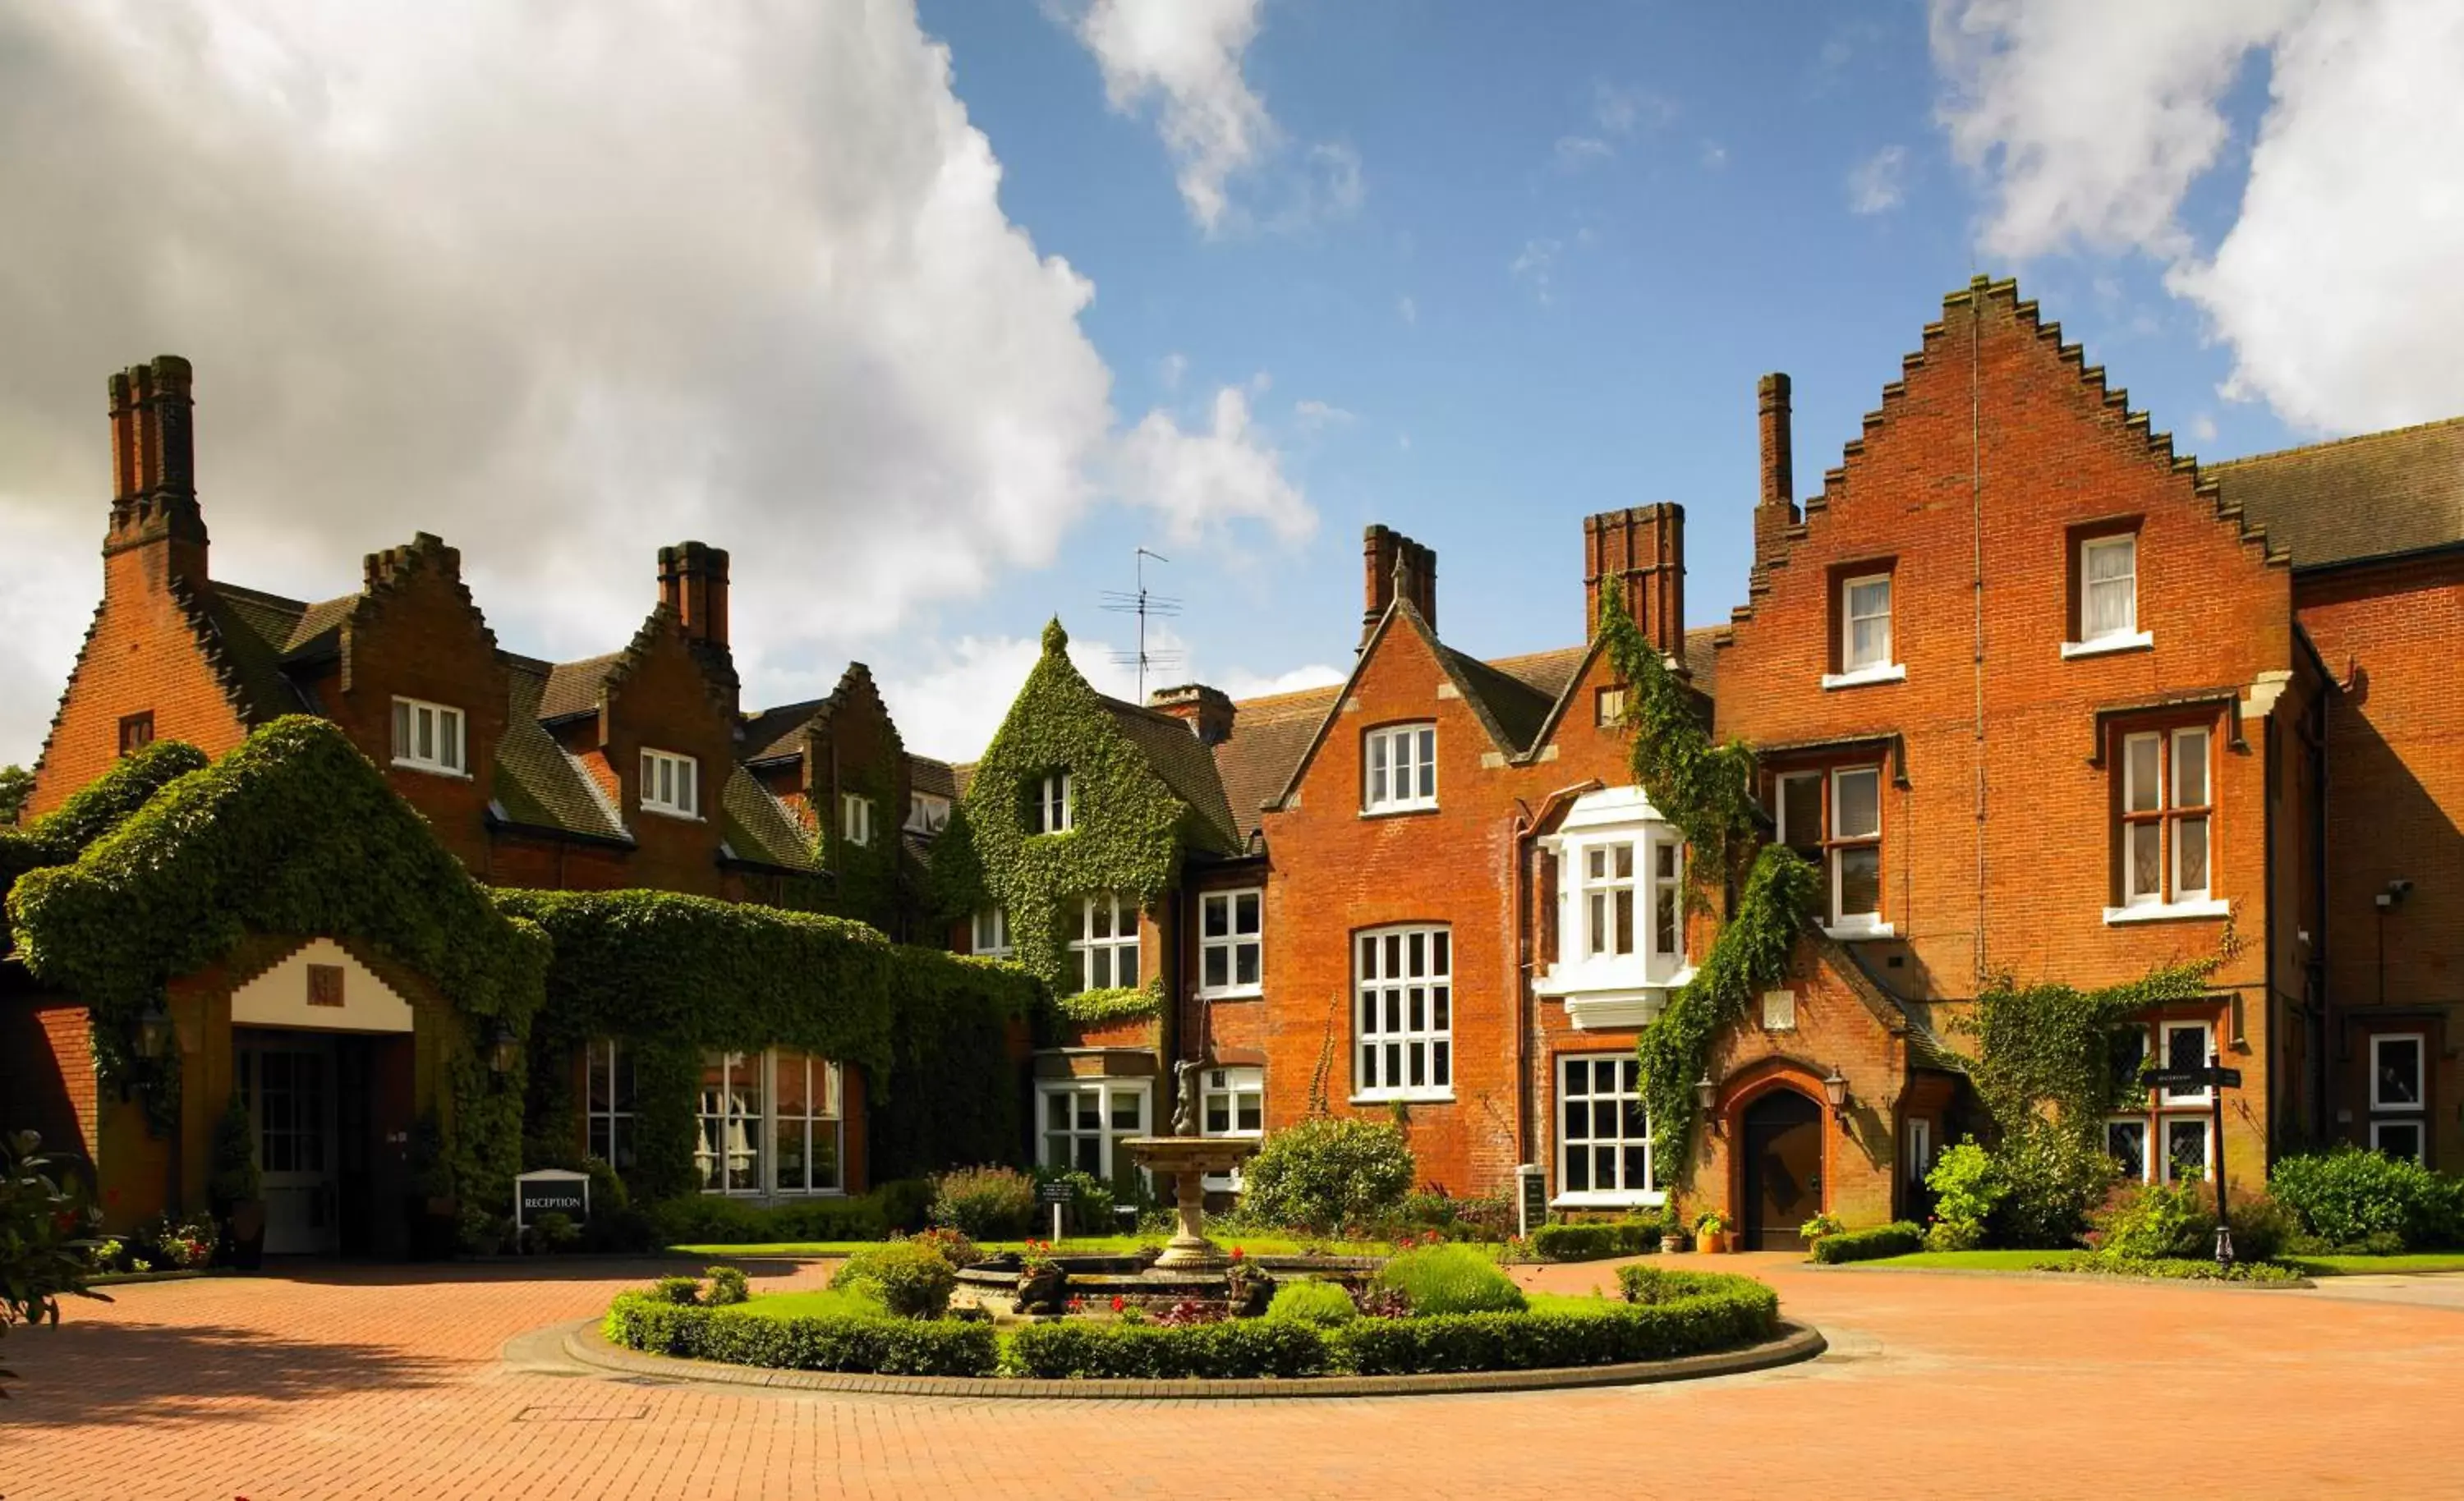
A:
(293, 833)
(670, 977)
(1128, 831)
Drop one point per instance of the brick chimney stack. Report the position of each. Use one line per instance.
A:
(1391, 560)
(1207, 711)
(158, 533)
(693, 582)
(1776, 503)
(1641, 552)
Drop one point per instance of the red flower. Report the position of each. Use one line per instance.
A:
(1119, 1302)
(1238, 1253)
(1077, 1304)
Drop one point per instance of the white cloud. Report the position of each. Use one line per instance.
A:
(1875, 185)
(560, 283)
(1534, 265)
(1577, 152)
(1318, 416)
(2203, 428)
(1615, 114)
(1201, 480)
(2335, 285)
(1407, 310)
(1188, 55)
(1250, 685)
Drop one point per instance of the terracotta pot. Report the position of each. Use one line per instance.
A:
(1710, 1243)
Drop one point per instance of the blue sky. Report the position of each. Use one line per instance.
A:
(1680, 185)
(933, 310)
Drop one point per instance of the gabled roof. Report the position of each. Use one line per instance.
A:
(775, 732)
(1270, 737)
(575, 687)
(759, 828)
(536, 783)
(2372, 496)
(934, 779)
(1184, 762)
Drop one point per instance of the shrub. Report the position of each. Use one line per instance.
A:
(906, 1202)
(1488, 1217)
(728, 1286)
(1953, 1235)
(2262, 1229)
(2349, 1195)
(826, 1342)
(984, 1203)
(950, 1246)
(1897, 1239)
(717, 1220)
(1075, 1349)
(1091, 1202)
(614, 1223)
(235, 1155)
(1966, 1185)
(2146, 1221)
(1451, 1279)
(683, 1292)
(2051, 1181)
(1320, 1303)
(1328, 1173)
(1679, 1314)
(2180, 1269)
(1598, 1240)
(912, 1280)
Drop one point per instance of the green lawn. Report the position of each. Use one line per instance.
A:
(817, 1304)
(1089, 1246)
(2416, 1262)
(1571, 1303)
(1976, 1260)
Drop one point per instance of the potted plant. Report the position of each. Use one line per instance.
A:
(1710, 1232)
(237, 1189)
(1824, 1224)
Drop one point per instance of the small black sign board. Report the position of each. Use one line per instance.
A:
(552, 1191)
(2194, 1078)
(1535, 1199)
(1054, 1193)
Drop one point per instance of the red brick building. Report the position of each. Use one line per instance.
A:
(636, 769)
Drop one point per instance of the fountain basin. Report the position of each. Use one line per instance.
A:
(1189, 1159)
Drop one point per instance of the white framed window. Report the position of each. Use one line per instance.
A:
(1835, 820)
(1866, 623)
(1231, 1101)
(1603, 1138)
(805, 1124)
(928, 813)
(669, 784)
(607, 1100)
(1104, 956)
(1606, 879)
(729, 1152)
(2187, 1045)
(1049, 810)
(1399, 769)
(1231, 951)
(1083, 1123)
(991, 935)
(1620, 941)
(2188, 1148)
(771, 1125)
(1610, 703)
(2167, 813)
(2108, 576)
(2398, 1068)
(426, 737)
(2399, 1139)
(855, 817)
(1404, 1015)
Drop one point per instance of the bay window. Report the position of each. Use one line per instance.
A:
(1404, 1010)
(1620, 931)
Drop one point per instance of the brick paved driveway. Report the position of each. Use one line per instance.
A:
(399, 1383)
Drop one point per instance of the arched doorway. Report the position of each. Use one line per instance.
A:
(1782, 1138)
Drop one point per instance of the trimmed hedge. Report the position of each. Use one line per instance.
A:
(1074, 1349)
(881, 1345)
(1900, 1239)
(1598, 1240)
(2171, 1268)
(716, 1220)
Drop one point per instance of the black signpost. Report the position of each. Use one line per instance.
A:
(1533, 1200)
(2216, 1078)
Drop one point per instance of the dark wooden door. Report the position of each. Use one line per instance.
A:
(1783, 1145)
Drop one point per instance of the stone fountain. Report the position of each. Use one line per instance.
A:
(1189, 1158)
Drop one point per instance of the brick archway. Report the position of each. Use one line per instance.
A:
(1759, 1081)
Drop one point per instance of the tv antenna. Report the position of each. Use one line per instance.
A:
(1145, 606)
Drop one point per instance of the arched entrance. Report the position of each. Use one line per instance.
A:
(1781, 1135)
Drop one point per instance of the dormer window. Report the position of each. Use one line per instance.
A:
(670, 784)
(428, 737)
(855, 818)
(926, 813)
(1048, 804)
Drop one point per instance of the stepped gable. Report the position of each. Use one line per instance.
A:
(1838, 485)
(2375, 495)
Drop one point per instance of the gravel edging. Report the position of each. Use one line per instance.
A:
(2075, 1279)
(1795, 1342)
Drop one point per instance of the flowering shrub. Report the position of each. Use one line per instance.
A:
(986, 1203)
(1189, 1311)
(1821, 1226)
(950, 1245)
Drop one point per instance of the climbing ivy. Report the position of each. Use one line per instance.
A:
(1128, 829)
(1706, 791)
(2045, 1049)
(1126, 1003)
(294, 831)
(670, 977)
(95, 809)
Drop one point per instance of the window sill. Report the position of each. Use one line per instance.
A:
(1406, 1096)
(677, 813)
(1851, 932)
(2135, 640)
(1623, 1199)
(1895, 672)
(1236, 993)
(2166, 912)
(424, 769)
(1629, 979)
(1389, 810)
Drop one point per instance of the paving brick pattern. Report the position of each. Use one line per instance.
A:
(397, 1383)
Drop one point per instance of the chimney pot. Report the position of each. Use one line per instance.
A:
(1776, 503)
(1640, 552)
(1392, 562)
(693, 582)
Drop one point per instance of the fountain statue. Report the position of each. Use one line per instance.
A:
(1189, 1157)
